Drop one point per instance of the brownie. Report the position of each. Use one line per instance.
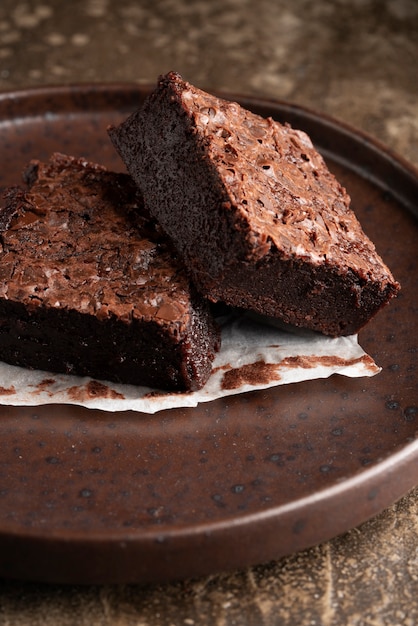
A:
(89, 285)
(253, 210)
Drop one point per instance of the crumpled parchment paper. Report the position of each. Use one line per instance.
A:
(253, 355)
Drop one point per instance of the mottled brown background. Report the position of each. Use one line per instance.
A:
(354, 59)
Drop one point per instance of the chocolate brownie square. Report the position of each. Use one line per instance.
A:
(252, 208)
(90, 286)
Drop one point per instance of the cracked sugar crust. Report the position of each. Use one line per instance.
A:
(89, 246)
(281, 185)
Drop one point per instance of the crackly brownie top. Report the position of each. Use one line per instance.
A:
(280, 184)
(79, 238)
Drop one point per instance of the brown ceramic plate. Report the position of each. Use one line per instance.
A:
(91, 497)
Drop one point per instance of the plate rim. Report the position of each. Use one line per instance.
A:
(405, 453)
(19, 95)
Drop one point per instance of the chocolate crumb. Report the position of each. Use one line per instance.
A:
(155, 393)
(43, 386)
(7, 391)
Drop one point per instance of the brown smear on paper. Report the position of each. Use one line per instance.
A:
(7, 391)
(258, 373)
(261, 373)
(93, 389)
(42, 387)
(328, 361)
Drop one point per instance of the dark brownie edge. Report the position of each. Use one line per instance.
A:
(296, 296)
(69, 342)
(201, 219)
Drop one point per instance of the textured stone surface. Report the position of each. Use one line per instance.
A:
(354, 59)
(368, 576)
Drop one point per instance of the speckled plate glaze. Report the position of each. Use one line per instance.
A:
(90, 497)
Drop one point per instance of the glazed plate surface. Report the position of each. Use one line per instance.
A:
(92, 497)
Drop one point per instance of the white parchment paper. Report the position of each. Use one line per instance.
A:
(253, 356)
